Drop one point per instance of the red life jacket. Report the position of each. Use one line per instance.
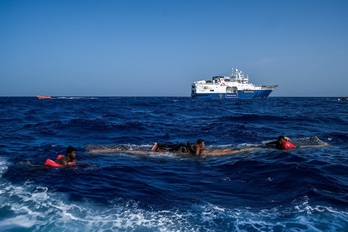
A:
(288, 145)
(52, 163)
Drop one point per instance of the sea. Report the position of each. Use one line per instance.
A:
(303, 189)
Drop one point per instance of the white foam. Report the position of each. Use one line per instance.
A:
(38, 208)
(129, 216)
(3, 166)
(17, 221)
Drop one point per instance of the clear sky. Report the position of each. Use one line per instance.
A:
(158, 48)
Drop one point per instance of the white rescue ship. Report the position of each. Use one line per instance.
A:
(235, 86)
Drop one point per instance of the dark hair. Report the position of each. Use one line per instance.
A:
(70, 149)
(279, 144)
(199, 141)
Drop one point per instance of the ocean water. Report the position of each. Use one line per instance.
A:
(305, 189)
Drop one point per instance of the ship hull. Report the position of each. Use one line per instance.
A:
(239, 94)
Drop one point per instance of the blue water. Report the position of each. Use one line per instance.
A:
(304, 189)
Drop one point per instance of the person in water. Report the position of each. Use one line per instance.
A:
(179, 149)
(187, 148)
(70, 157)
(282, 143)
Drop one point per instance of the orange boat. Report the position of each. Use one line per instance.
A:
(43, 97)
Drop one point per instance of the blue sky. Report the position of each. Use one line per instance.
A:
(158, 48)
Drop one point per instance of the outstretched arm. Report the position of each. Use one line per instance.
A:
(317, 145)
(109, 151)
(228, 151)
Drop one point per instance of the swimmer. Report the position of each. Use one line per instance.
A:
(282, 143)
(179, 149)
(215, 152)
(187, 148)
(70, 157)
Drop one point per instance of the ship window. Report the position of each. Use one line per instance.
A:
(211, 90)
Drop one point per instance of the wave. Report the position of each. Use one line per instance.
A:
(261, 190)
(37, 208)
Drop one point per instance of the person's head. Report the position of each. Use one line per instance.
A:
(71, 152)
(200, 142)
(281, 139)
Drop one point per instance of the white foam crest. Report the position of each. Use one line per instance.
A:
(15, 222)
(38, 209)
(3, 166)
